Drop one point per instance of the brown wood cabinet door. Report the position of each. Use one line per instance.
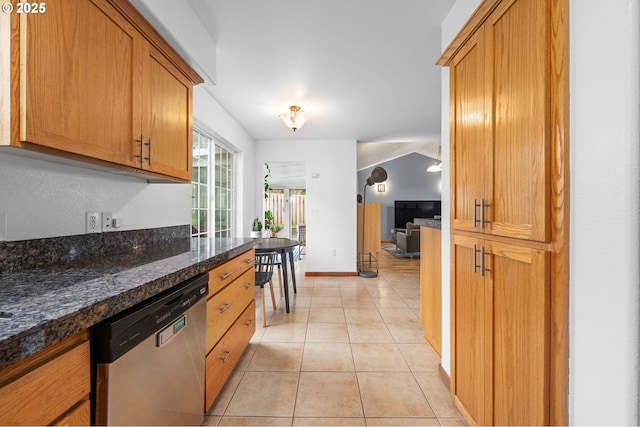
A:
(471, 373)
(166, 117)
(371, 228)
(517, 43)
(431, 286)
(471, 145)
(77, 80)
(521, 311)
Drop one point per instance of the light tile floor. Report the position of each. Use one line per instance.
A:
(351, 352)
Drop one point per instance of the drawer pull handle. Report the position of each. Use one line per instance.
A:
(249, 322)
(225, 275)
(226, 356)
(249, 260)
(225, 307)
(248, 285)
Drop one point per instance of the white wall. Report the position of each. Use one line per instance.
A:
(331, 198)
(605, 207)
(604, 52)
(48, 199)
(457, 17)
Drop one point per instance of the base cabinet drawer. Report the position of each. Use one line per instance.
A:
(224, 307)
(224, 356)
(78, 416)
(48, 386)
(222, 275)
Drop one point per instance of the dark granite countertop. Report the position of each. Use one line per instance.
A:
(39, 307)
(428, 222)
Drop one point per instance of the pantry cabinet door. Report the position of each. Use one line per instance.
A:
(520, 279)
(76, 80)
(471, 320)
(518, 46)
(471, 144)
(166, 117)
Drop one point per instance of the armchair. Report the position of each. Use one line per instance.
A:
(409, 241)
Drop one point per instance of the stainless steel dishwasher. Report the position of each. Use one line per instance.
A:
(149, 361)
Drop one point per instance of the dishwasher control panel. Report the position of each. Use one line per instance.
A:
(170, 331)
(162, 315)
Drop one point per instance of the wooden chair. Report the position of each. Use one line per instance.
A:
(264, 274)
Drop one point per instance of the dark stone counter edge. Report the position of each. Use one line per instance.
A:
(426, 222)
(24, 344)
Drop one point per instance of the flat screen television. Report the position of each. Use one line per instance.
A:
(406, 210)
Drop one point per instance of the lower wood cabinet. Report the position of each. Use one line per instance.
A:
(231, 315)
(50, 387)
(500, 302)
(223, 357)
(431, 286)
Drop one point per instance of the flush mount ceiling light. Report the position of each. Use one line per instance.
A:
(295, 118)
(437, 165)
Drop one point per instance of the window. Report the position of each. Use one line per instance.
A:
(223, 193)
(200, 186)
(212, 201)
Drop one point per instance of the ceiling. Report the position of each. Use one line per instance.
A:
(362, 69)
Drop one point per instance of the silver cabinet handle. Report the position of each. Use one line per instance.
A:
(226, 356)
(482, 206)
(249, 322)
(475, 257)
(249, 260)
(483, 269)
(248, 285)
(475, 212)
(141, 141)
(150, 151)
(225, 275)
(225, 307)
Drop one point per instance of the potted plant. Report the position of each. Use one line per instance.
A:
(256, 228)
(275, 229)
(268, 220)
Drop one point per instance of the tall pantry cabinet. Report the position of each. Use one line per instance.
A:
(509, 213)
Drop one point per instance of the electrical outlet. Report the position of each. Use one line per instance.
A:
(93, 222)
(106, 221)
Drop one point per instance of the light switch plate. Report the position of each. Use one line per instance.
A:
(106, 221)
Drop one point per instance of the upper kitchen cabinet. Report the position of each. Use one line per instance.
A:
(501, 92)
(95, 82)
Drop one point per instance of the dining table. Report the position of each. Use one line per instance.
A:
(284, 247)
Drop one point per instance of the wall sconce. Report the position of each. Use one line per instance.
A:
(295, 118)
(381, 188)
(437, 165)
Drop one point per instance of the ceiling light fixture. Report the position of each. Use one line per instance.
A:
(437, 165)
(295, 118)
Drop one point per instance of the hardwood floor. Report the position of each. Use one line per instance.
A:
(389, 264)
